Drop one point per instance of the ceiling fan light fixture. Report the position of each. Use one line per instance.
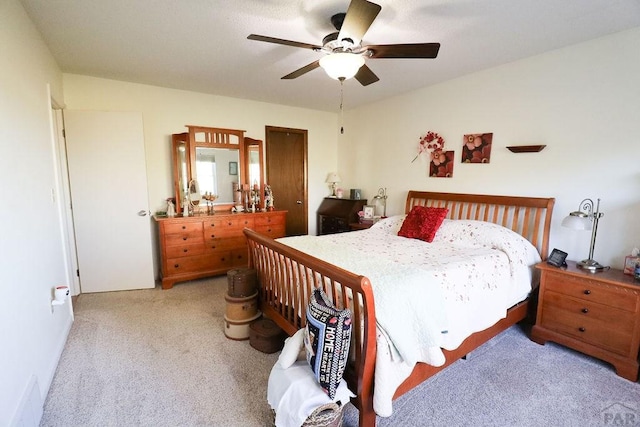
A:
(341, 65)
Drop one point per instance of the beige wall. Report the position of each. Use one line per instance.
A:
(32, 261)
(167, 111)
(581, 101)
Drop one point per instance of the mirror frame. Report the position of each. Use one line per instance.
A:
(249, 143)
(213, 138)
(177, 140)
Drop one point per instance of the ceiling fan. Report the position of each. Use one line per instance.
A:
(345, 54)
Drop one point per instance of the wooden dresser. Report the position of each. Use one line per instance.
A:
(595, 313)
(209, 245)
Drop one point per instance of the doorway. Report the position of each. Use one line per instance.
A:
(286, 170)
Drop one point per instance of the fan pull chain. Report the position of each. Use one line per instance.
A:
(341, 107)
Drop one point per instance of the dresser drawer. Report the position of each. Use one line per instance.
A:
(273, 231)
(228, 226)
(198, 263)
(590, 290)
(240, 257)
(225, 244)
(588, 330)
(184, 250)
(182, 239)
(265, 220)
(183, 227)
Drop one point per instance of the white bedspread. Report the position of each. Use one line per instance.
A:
(461, 283)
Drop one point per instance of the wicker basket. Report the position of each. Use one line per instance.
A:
(329, 415)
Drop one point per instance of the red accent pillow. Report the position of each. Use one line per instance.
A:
(423, 223)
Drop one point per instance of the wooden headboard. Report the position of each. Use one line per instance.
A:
(528, 216)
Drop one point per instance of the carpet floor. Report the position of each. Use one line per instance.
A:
(160, 358)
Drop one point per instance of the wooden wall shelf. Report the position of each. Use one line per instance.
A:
(526, 148)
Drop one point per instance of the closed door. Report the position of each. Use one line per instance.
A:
(110, 206)
(286, 167)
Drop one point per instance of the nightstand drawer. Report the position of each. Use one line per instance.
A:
(590, 290)
(615, 319)
(586, 329)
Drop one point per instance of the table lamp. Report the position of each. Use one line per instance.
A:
(332, 179)
(382, 196)
(585, 218)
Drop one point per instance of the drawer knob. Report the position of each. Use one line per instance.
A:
(213, 235)
(185, 250)
(585, 310)
(587, 292)
(176, 265)
(184, 238)
(213, 225)
(184, 227)
(581, 329)
(230, 223)
(221, 259)
(213, 247)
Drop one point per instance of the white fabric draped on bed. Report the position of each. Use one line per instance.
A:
(429, 296)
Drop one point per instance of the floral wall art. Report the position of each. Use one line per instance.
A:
(441, 162)
(476, 148)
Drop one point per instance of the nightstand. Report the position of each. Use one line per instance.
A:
(335, 215)
(360, 225)
(595, 313)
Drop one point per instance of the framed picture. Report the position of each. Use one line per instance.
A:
(368, 211)
(557, 258)
(630, 264)
(233, 168)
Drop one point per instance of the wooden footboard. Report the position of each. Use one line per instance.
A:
(287, 278)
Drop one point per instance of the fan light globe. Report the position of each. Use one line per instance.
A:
(341, 65)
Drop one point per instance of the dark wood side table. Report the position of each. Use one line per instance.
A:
(335, 215)
(595, 313)
(360, 225)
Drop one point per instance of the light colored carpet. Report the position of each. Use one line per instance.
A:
(160, 358)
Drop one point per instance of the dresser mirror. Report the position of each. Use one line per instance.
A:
(216, 159)
(214, 173)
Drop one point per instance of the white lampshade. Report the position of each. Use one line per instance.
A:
(341, 65)
(333, 177)
(578, 221)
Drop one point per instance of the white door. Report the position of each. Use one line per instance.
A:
(108, 178)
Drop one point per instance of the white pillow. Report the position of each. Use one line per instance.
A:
(291, 350)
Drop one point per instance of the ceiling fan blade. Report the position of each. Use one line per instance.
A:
(303, 70)
(365, 76)
(409, 50)
(282, 41)
(360, 15)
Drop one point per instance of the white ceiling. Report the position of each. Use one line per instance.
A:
(201, 45)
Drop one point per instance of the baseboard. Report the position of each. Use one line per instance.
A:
(31, 406)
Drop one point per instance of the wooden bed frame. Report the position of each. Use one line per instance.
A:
(287, 277)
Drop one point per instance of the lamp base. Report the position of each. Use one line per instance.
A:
(591, 265)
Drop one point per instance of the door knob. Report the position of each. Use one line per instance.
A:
(299, 202)
(142, 213)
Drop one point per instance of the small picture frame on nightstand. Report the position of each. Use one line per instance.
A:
(557, 258)
(368, 211)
